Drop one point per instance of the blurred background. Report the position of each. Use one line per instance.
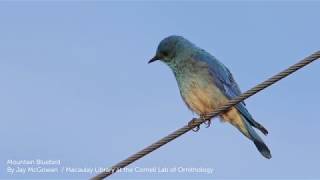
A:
(76, 86)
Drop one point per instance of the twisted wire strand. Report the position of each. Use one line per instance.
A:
(197, 122)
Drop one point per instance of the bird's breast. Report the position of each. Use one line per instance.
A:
(201, 95)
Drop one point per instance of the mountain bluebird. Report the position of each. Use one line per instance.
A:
(205, 83)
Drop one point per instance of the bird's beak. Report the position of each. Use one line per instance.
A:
(155, 58)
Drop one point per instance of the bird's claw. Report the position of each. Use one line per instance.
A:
(207, 121)
(192, 123)
(196, 129)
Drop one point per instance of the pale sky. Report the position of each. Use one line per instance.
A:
(76, 86)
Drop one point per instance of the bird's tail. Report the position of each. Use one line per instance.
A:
(238, 120)
(248, 131)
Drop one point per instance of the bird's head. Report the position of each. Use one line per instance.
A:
(169, 48)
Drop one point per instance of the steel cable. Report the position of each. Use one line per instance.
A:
(197, 122)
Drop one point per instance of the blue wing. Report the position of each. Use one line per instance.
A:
(224, 80)
(221, 75)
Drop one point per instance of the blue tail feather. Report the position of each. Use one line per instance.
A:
(261, 146)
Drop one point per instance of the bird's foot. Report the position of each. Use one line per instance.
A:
(192, 123)
(207, 121)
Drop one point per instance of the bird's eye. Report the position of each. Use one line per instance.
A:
(165, 53)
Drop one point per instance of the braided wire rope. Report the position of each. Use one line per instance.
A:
(199, 121)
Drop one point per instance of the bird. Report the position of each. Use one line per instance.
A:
(205, 83)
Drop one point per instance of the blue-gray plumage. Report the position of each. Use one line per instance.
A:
(205, 83)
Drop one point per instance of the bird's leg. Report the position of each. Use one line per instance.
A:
(206, 119)
(191, 124)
